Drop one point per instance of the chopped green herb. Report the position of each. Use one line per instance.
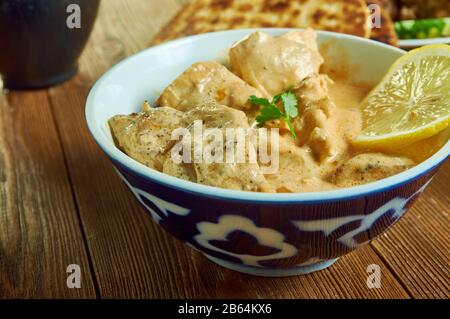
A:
(290, 104)
(267, 113)
(270, 110)
(259, 101)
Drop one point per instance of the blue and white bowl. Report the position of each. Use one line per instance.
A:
(256, 233)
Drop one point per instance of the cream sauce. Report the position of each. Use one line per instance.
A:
(329, 117)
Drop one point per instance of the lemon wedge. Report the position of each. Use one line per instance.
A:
(411, 103)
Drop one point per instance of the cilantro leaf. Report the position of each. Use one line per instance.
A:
(270, 110)
(267, 113)
(290, 104)
(259, 101)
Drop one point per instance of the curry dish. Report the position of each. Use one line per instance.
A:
(315, 150)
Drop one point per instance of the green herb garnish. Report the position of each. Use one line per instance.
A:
(270, 110)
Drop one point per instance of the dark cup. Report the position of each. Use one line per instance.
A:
(41, 40)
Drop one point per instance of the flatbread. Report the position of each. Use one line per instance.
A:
(200, 16)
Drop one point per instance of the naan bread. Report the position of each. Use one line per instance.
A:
(345, 16)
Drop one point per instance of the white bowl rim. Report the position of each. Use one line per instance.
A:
(247, 196)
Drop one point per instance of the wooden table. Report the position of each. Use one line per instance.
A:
(61, 203)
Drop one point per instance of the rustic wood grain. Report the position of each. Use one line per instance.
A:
(39, 228)
(120, 29)
(133, 257)
(130, 256)
(416, 250)
(345, 279)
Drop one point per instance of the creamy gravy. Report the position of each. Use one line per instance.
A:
(328, 117)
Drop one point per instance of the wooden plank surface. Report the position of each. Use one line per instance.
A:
(129, 255)
(39, 228)
(417, 249)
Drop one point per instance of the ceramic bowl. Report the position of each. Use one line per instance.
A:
(256, 233)
(41, 40)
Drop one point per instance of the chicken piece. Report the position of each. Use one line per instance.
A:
(146, 136)
(315, 125)
(214, 115)
(272, 64)
(213, 168)
(306, 37)
(369, 167)
(180, 170)
(207, 79)
(245, 175)
(231, 174)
